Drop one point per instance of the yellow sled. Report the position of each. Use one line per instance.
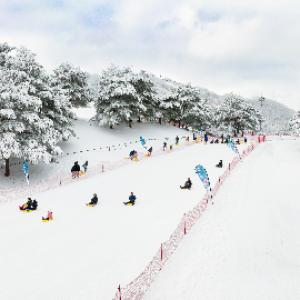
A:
(27, 211)
(81, 173)
(129, 204)
(90, 205)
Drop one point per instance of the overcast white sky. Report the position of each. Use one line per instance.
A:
(251, 47)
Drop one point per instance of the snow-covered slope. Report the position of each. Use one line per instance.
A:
(86, 252)
(247, 246)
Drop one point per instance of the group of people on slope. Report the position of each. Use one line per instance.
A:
(29, 205)
(75, 170)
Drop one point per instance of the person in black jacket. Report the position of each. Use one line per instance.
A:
(177, 140)
(75, 170)
(34, 205)
(94, 200)
(187, 185)
(220, 164)
(133, 155)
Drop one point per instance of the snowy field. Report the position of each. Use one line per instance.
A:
(86, 252)
(247, 245)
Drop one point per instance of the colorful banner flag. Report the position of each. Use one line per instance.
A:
(203, 175)
(143, 142)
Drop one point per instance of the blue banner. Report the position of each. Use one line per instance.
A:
(203, 175)
(143, 142)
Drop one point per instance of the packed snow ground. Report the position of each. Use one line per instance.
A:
(247, 245)
(86, 252)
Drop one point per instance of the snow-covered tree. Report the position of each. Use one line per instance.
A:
(147, 102)
(193, 110)
(118, 99)
(24, 131)
(169, 104)
(294, 124)
(57, 107)
(74, 82)
(236, 115)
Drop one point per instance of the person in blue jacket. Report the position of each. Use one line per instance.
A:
(206, 137)
(131, 199)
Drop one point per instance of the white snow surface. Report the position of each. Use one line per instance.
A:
(85, 253)
(247, 245)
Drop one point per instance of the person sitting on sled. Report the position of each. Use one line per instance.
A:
(131, 199)
(220, 164)
(85, 166)
(94, 200)
(133, 155)
(49, 216)
(150, 151)
(187, 185)
(75, 170)
(27, 205)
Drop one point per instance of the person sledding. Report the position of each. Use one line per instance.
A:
(165, 145)
(49, 217)
(27, 205)
(133, 155)
(131, 199)
(85, 166)
(150, 151)
(187, 184)
(94, 200)
(75, 170)
(220, 164)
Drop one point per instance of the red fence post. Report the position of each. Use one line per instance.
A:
(184, 228)
(161, 251)
(229, 166)
(102, 168)
(119, 289)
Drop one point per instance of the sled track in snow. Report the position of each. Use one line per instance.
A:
(136, 289)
